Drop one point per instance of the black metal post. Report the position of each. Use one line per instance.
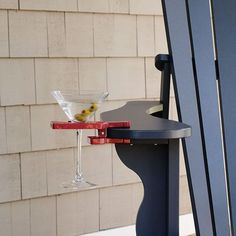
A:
(162, 63)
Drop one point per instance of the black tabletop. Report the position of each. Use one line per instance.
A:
(144, 125)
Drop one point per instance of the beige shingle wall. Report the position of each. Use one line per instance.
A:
(55, 44)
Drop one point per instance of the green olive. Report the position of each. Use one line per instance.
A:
(80, 117)
(86, 112)
(93, 107)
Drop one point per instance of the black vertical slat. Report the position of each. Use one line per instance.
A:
(205, 78)
(224, 13)
(180, 50)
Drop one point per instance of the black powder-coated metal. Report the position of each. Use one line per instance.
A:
(143, 125)
(165, 90)
(206, 84)
(154, 156)
(173, 186)
(176, 23)
(158, 168)
(224, 14)
(161, 60)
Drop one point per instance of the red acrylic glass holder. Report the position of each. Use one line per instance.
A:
(101, 126)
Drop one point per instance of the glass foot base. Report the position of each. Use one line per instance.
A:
(78, 185)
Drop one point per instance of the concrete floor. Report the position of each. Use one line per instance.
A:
(186, 229)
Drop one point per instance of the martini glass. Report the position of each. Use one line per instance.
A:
(79, 106)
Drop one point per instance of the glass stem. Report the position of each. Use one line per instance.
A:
(79, 174)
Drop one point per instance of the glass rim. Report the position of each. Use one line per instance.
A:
(79, 92)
